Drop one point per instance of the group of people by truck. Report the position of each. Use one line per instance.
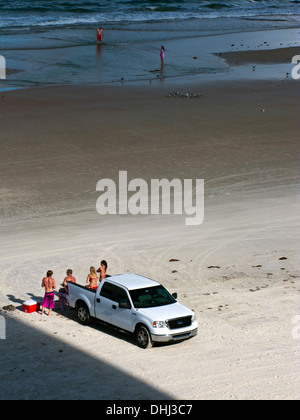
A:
(49, 284)
(130, 302)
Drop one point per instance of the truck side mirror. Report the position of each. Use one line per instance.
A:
(174, 295)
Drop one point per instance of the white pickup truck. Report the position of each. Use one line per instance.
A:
(136, 304)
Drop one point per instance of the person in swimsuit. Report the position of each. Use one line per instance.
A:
(99, 34)
(69, 277)
(63, 292)
(102, 270)
(49, 284)
(162, 55)
(92, 279)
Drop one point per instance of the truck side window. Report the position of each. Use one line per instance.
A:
(108, 290)
(122, 296)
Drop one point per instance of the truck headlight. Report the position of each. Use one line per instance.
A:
(160, 324)
(194, 318)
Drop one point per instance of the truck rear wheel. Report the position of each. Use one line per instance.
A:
(143, 337)
(83, 314)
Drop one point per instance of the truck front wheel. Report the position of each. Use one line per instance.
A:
(143, 337)
(83, 314)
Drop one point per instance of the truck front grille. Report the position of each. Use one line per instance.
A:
(185, 321)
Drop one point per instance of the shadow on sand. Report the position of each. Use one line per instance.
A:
(36, 365)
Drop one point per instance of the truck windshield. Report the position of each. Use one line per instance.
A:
(151, 297)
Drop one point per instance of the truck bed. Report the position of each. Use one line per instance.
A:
(85, 288)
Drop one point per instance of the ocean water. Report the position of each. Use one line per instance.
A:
(53, 41)
(30, 14)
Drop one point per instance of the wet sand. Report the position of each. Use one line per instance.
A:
(238, 271)
(272, 56)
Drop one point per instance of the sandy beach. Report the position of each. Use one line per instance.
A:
(239, 270)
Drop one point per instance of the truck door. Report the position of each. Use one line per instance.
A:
(122, 317)
(104, 302)
(107, 306)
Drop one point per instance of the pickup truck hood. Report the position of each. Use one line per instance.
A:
(162, 313)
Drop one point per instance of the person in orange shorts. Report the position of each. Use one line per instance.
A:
(99, 34)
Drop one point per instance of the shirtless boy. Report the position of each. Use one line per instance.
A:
(69, 278)
(62, 292)
(49, 284)
(99, 34)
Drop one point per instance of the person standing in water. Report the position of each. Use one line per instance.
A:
(162, 56)
(99, 34)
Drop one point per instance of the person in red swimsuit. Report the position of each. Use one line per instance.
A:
(99, 35)
(92, 279)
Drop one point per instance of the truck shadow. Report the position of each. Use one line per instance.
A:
(98, 325)
(109, 329)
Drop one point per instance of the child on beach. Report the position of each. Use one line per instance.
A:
(92, 279)
(162, 55)
(49, 284)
